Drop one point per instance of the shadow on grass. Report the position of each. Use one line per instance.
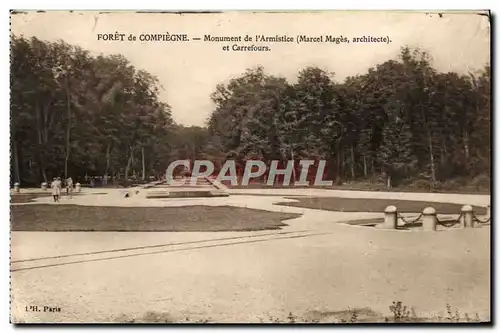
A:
(374, 205)
(28, 197)
(194, 218)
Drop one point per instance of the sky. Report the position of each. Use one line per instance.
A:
(189, 72)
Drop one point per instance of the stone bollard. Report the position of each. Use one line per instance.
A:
(429, 219)
(16, 187)
(44, 186)
(467, 216)
(78, 187)
(390, 218)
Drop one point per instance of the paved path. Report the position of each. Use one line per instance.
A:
(313, 266)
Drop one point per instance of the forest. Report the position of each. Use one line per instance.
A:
(402, 122)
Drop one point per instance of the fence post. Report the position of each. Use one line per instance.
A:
(78, 187)
(429, 219)
(16, 187)
(390, 218)
(467, 216)
(488, 211)
(44, 186)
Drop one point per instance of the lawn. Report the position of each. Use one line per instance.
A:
(28, 197)
(195, 218)
(446, 187)
(375, 205)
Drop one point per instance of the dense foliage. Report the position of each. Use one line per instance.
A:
(402, 119)
(74, 114)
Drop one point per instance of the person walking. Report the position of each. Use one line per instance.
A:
(58, 188)
(69, 187)
(53, 186)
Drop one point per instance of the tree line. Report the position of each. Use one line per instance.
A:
(402, 119)
(75, 114)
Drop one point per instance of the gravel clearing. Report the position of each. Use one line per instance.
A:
(312, 266)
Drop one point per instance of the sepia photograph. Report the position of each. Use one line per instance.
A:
(250, 167)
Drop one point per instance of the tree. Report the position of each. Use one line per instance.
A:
(74, 114)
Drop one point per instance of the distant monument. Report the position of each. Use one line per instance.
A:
(179, 186)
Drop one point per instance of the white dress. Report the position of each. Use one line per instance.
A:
(53, 185)
(58, 187)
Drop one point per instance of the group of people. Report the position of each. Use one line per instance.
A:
(56, 186)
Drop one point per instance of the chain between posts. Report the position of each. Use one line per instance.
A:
(450, 223)
(408, 222)
(476, 219)
(447, 224)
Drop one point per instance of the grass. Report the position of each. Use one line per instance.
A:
(377, 187)
(195, 218)
(398, 313)
(28, 197)
(375, 205)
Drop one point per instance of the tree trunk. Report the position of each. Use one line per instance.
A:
(465, 138)
(444, 152)
(108, 155)
(15, 161)
(40, 156)
(68, 132)
(143, 165)
(129, 161)
(132, 162)
(353, 174)
(365, 167)
(127, 168)
(431, 155)
(338, 179)
(431, 151)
